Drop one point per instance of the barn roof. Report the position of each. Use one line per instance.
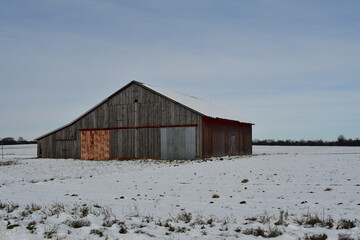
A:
(203, 107)
(196, 104)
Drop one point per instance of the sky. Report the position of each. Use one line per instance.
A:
(291, 67)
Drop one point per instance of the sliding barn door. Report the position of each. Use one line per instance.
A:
(178, 143)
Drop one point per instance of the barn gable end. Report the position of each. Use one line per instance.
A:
(136, 122)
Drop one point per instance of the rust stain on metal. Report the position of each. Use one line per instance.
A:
(95, 145)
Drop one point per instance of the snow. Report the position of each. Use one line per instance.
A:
(18, 151)
(151, 199)
(198, 104)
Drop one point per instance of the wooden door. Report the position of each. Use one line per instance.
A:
(95, 145)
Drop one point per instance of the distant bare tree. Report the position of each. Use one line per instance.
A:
(341, 140)
(8, 140)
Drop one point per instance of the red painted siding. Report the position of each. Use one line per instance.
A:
(225, 137)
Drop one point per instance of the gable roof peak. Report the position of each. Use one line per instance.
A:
(198, 105)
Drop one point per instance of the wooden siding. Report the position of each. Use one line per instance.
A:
(225, 138)
(136, 107)
(133, 106)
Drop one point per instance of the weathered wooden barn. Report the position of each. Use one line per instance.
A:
(140, 121)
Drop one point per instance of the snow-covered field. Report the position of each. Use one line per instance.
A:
(292, 192)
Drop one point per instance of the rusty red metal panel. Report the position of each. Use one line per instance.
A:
(95, 145)
(222, 137)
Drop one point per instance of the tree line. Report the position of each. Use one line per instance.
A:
(341, 141)
(12, 141)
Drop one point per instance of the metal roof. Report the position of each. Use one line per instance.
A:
(203, 107)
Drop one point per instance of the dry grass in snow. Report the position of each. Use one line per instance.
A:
(279, 192)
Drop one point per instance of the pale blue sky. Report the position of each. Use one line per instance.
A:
(291, 67)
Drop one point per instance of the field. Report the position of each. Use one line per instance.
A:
(279, 192)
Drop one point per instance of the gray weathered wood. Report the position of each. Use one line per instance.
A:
(137, 106)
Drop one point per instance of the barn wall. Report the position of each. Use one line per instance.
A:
(248, 139)
(134, 106)
(64, 143)
(134, 117)
(225, 138)
(137, 106)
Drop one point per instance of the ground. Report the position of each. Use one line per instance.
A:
(281, 192)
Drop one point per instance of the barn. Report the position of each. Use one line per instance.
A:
(141, 121)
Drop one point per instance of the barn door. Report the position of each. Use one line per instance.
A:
(95, 145)
(178, 143)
